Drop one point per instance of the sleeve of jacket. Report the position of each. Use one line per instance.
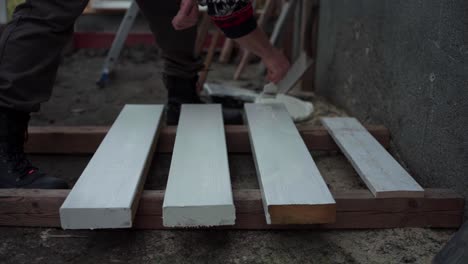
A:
(234, 17)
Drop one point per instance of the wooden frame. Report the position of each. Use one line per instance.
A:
(357, 209)
(86, 139)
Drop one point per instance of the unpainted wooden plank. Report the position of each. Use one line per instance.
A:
(383, 175)
(107, 192)
(356, 209)
(86, 139)
(198, 191)
(293, 189)
(300, 66)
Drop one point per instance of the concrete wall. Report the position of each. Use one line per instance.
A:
(403, 64)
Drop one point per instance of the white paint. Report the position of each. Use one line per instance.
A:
(198, 191)
(106, 194)
(218, 90)
(111, 4)
(377, 168)
(298, 110)
(286, 172)
(276, 94)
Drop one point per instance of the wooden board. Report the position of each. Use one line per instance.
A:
(356, 209)
(107, 193)
(300, 66)
(226, 51)
(198, 191)
(110, 4)
(86, 139)
(377, 168)
(293, 190)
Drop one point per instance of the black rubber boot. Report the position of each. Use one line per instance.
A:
(15, 169)
(184, 91)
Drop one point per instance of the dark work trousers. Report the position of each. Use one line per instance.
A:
(32, 43)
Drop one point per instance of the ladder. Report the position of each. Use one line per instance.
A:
(117, 45)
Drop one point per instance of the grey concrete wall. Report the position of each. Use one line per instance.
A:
(403, 64)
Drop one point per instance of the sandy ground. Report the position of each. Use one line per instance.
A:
(77, 101)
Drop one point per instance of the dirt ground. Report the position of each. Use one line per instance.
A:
(77, 101)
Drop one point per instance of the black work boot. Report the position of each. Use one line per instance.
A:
(15, 169)
(184, 91)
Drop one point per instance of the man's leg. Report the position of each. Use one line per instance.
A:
(180, 71)
(30, 50)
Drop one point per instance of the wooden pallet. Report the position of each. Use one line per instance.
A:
(86, 139)
(354, 208)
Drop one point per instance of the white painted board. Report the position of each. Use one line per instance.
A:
(111, 4)
(378, 169)
(106, 194)
(3, 12)
(198, 191)
(289, 179)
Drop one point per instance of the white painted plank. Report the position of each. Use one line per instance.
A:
(106, 195)
(293, 189)
(111, 4)
(198, 191)
(377, 168)
(3, 12)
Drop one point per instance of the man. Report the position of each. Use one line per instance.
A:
(31, 45)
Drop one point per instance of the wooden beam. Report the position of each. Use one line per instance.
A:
(198, 189)
(356, 209)
(293, 189)
(296, 72)
(107, 193)
(383, 175)
(311, 40)
(226, 51)
(86, 139)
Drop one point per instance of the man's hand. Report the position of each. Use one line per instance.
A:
(277, 64)
(187, 16)
(274, 60)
